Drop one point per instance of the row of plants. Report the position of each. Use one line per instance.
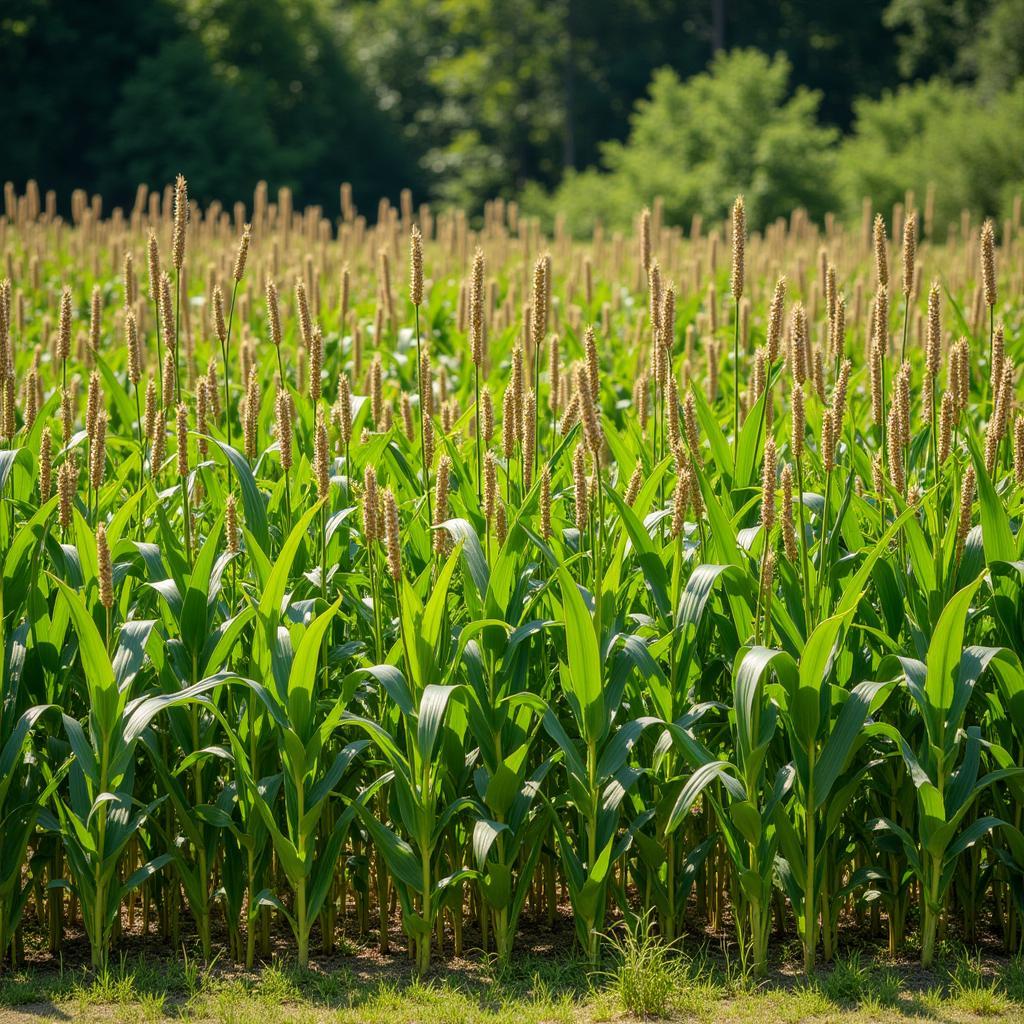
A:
(519, 570)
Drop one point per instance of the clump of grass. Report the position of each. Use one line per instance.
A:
(648, 972)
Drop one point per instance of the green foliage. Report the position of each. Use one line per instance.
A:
(697, 143)
(966, 144)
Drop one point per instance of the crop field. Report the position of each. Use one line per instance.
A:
(424, 586)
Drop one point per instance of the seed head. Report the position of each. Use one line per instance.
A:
(988, 262)
(180, 220)
(592, 431)
(392, 536)
(476, 309)
(486, 415)
(344, 406)
(316, 363)
(416, 266)
(153, 265)
(690, 426)
(242, 254)
(796, 442)
(490, 485)
(376, 392)
(739, 235)
(881, 259)
(554, 374)
(998, 358)
(966, 504)
(105, 571)
(64, 325)
(302, 308)
(181, 433)
(776, 319)
(909, 253)
(67, 485)
(680, 501)
(946, 417)
(444, 468)
(538, 303)
(273, 313)
(645, 240)
(45, 465)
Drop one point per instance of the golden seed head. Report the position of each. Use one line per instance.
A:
(796, 442)
(538, 303)
(377, 392)
(690, 426)
(500, 523)
(219, 324)
(181, 434)
(909, 253)
(680, 502)
(128, 279)
(441, 485)
(636, 481)
(739, 235)
(828, 441)
(486, 415)
(273, 313)
(476, 309)
(105, 570)
(242, 254)
(895, 449)
(966, 505)
(45, 465)
(64, 325)
(131, 332)
(998, 357)
(67, 485)
(180, 221)
(416, 266)
(988, 262)
(95, 317)
(509, 424)
(776, 319)
(167, 380)
(592, 432)
(153, 264)
(302, 307)
(933, 341)
(593, 365)
(344, 405)
(490, 485)
(392, 535)
(881, 258)
(946, 416)
(316, 363)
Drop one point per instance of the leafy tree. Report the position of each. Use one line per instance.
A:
(700, 142)
(938, 133)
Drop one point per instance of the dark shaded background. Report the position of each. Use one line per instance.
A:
(457, 99)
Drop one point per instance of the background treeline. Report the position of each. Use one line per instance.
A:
(588, 107)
